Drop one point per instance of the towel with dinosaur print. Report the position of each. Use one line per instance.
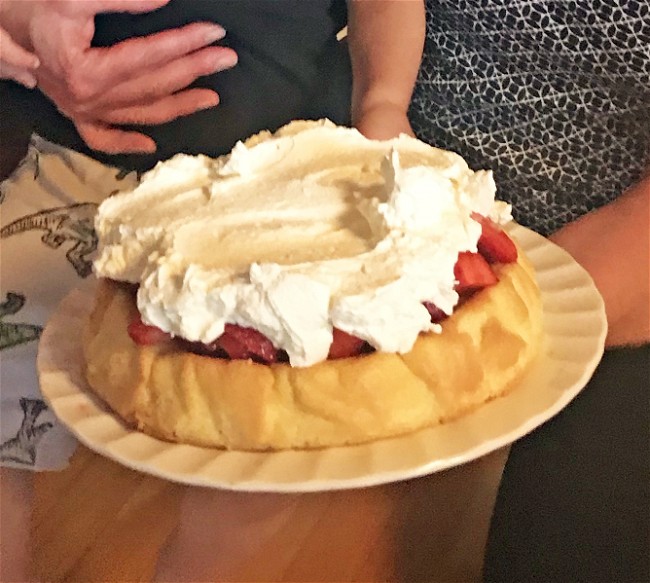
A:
(47, 242)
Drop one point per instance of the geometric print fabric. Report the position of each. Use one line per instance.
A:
(552, 96)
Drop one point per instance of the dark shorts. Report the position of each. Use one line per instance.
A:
(574, 502)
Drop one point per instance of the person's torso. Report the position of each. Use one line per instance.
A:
(554, 96)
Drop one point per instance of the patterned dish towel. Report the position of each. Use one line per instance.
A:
(47, 244)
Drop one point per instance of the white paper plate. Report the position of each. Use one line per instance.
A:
(575, 325)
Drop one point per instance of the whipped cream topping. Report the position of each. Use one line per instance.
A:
(295, 233)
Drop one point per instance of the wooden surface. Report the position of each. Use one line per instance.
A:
(98, 521)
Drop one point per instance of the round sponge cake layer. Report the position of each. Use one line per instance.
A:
(485, 347)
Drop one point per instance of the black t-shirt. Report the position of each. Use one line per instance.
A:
(290, 66)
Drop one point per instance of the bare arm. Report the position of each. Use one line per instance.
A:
(386, 39)
(613, 245)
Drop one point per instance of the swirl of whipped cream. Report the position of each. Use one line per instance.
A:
(297, 232)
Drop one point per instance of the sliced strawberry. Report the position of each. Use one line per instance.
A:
(146, 335)
(345, 345)
(241, 343)
(494, 243)
(472, 272)
(437, 315)
(232, 347)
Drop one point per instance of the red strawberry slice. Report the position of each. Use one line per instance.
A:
(241, 343)
(472, 272)
(437, 315)
(146, 335)
(345, 345)
(494, 243)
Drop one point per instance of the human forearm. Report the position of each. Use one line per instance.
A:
(386, 39)
(613, 245)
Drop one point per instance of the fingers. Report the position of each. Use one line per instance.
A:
(132, 6)
(164, 109)
(114, 141)
(106, 138)
(15, 62)
(169, 79)
(103, 79)
(136, 56)
(19, 75)
(138, 81)
(16, 55)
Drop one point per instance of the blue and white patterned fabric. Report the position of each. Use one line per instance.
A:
(554, 96)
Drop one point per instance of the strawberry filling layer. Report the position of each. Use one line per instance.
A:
(473, 272)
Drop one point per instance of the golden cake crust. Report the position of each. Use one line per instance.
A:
(486, 346)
